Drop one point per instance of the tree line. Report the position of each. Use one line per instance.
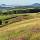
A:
(19, 11)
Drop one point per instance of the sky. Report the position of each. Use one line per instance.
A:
(19, 2)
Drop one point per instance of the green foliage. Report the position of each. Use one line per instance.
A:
(1, 13)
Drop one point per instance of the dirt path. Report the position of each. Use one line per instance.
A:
(19, 24)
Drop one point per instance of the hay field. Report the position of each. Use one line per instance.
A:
(23, 30)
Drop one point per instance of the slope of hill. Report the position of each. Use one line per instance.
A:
(23, 30)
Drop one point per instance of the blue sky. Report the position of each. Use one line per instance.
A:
(19, 2)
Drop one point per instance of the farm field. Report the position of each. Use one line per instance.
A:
(28, 29)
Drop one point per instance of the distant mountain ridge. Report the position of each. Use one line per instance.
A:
(4, 5)
(36, 4)
(30, 6)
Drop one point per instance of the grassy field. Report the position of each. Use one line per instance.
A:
(23, 30)
(3, 17)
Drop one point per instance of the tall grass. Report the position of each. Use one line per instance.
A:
(23, 33)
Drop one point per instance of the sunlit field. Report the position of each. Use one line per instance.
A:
(27, 29)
